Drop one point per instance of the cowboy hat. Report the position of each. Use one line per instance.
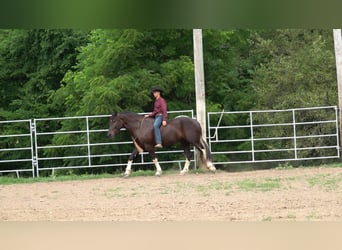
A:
(156, 88)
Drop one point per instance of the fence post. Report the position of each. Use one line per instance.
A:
(199, 81)
(338, 134)
(34, 149)
(338, 59)
(252, 134)
(88, 141)
(294, 133)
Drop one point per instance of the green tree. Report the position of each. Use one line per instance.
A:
(299, 70)
(228, 69)
(32, 64)
(118, 67)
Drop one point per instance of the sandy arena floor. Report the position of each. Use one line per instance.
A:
(312, 194)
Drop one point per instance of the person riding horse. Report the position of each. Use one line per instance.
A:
(182, 131)
(159, 114)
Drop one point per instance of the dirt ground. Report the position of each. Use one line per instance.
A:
(304, 194)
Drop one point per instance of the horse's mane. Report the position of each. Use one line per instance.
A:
(129, 113)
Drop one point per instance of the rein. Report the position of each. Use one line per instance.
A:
(142, 122)
(134, 139)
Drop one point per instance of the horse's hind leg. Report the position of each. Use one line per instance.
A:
(156, 163)
(187, 160)
(203, 159)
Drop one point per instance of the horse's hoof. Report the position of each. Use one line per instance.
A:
(158, 174)
(182, 172)
(211, 166)
(125, 175)
(212, 169)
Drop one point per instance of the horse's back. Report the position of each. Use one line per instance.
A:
(183, 128)
(185, 121)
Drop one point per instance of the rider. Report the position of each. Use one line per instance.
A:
(159, 113)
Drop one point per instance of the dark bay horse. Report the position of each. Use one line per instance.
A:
(182, 129)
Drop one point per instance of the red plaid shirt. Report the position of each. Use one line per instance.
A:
(160, 107)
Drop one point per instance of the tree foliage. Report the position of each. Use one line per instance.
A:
(299, 70)
(32, 64)
(59, 72)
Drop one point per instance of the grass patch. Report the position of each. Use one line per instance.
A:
(203, 190)
(327, 181)
(183, 186)
(267, 219)
(284, 166)
(143, 173)
(215, 185)
(114, 192)
(253, 185)
(5, 180)
(314, 216)
(12, 180)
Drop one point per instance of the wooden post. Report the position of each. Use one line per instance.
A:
(199, 81)
(338, 58)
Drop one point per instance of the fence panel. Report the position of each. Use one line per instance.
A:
(47, 144)
(16, 147)
(82, 142)
(274, 135)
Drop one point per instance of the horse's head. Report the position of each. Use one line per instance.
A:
(115, 124)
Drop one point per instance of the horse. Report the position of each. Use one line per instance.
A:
(182, 130)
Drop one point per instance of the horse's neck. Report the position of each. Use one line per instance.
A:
(132, 124)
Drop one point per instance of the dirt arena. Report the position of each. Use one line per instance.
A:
(304, 194)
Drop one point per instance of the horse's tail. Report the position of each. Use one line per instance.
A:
(204, 157)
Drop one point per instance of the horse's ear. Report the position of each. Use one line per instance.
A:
(114, 113)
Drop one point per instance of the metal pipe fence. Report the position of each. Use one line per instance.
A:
(274, 135)
(16, 147)
(81, 142)
(68, 143)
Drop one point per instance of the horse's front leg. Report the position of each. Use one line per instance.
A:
(134, 154)
(156, 163)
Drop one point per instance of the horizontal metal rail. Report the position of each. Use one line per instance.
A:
(293, 142)
(19, 148)
(88, 145)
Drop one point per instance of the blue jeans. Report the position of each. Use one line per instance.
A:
(157, 123)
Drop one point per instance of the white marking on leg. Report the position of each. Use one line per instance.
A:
(128, 168)
(186, 167)
(156, 163)
(204, 154)
(211, 166)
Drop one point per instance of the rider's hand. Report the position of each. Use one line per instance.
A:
(164, 123)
